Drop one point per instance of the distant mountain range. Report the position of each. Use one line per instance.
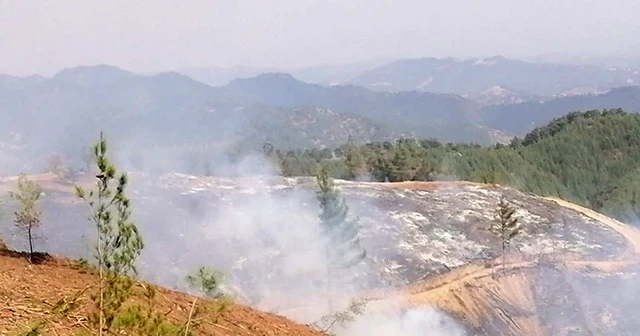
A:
(170, 111)
(470, 76)
(320, 74)
(520, 118)
(408, 113)
(474, 78)
(150, 115)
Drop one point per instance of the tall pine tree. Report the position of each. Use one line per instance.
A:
(343, 249)
(505, 226)
(354, 161)
(118, 242)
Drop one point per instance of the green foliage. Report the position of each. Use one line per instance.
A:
(356, 166)
(505, 226)
(591, 158)
(36, 328)
(84, 266)
(118, 243)
(341, 318)
(206, 280)
(139, 320)
(143, 319)
(27, 217)
(342, 233)
(343, 249)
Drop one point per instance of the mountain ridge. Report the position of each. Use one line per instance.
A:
(469, 76)
(172, 110)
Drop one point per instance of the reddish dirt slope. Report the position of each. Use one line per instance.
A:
(27, 293)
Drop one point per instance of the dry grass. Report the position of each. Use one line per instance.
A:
(29, 292)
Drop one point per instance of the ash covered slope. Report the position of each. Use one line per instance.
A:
(428, 238)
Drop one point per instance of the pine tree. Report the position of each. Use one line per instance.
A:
(118, 243)
(404, 165)
(356, 164)
(381, 170)
(505, 226)
(206, 280)
(425, 171)
(354, 161)
(343, 249)
(27, 217)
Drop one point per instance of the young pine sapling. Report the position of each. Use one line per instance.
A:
(342, 249)
(505, 226)
(27, 217)
(118, 242)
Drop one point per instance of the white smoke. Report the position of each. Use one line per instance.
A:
(420, 321)
(261, 233)
(265, 237)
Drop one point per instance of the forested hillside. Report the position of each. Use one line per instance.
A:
(589, 157)
(517, 119)
(444, 116)
(166, 114)
(154, 117)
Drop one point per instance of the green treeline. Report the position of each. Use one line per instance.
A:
(591, 158)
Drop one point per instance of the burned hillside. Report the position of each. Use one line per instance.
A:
(427, 242)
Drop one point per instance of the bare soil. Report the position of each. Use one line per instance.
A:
(28, 292)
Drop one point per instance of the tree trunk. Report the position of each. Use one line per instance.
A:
(329, 296)
(30, 245)
(98, 219)
(503, 256)
(101, 286)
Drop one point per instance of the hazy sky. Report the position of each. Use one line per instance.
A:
(150, 35)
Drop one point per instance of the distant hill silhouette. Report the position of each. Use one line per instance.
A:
(467, 76)
(170, 111)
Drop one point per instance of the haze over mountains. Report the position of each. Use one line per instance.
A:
(173, 112)
(477, 74)
(320, 74)
(466, 77)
